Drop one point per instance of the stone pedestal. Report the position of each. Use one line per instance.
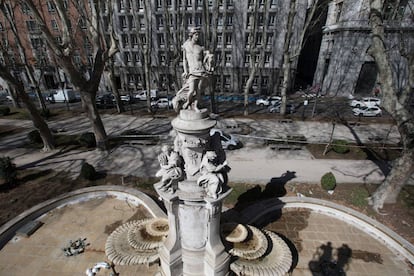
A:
(193, 246)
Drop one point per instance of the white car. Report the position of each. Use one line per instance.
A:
(228, 141)
(367, 101)
(275, 108)
(366, 111)
(125, 98)
(268, 101)
(162, 103)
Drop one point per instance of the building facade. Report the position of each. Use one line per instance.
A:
(225, 25)
(344, 64)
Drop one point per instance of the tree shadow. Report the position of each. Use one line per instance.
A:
(275, 188)
(383, 165)
(324, 263)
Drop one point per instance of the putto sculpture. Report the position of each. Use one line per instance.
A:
(198, 67)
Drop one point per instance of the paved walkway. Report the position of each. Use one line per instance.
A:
(320, 242)
(254, 163)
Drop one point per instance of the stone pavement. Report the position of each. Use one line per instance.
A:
(140, 160)
(321, 242)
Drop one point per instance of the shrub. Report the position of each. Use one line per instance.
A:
(34, 136)
(87, 139)
(87, 171)
(8, 170)
(328, 181)
(340, 146)
(4, 110)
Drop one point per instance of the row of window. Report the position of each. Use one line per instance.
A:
(134, 40)
(127, 5)
(133, 79)
(135, 57)
(130, 22)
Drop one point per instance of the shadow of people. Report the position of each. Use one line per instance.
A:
(324, 263)
(276, 186)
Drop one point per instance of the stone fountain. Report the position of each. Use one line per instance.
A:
(193, 185)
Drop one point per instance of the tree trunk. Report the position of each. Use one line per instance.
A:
(38, 121)
(389, 190)
(397, 106)
(286, 57)
(88, 99)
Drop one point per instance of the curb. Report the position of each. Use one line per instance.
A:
(370, 226)
(8, 230)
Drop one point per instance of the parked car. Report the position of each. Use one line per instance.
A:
(142, 95)
(275, 108)
(228, 141)
(268, 101)
(125, 98)
(162, 103)
(367, 101)
(366, 111)
(105, 101)
(62, 96)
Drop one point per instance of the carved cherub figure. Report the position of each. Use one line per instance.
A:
(213, 175)
(171, 169)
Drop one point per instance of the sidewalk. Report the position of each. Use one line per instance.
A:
(249, 164)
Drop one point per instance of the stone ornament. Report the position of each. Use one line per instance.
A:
(213, 174)
(171, 170)
(261, 252)
(131, 243)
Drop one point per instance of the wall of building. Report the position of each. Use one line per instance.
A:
(345, 42)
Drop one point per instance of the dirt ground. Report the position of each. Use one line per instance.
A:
(33, 187)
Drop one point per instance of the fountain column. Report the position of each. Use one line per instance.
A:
(193, 246)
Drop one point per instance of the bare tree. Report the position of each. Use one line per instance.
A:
(86, 75)
(8, 8)
(292, 49)
(255, 51)
(11, 76)
(396, 103)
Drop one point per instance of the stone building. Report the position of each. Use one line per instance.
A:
(344, 66)
(225, 25)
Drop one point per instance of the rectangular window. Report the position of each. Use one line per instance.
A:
(32, 26)
(134, 40)
(228, 58)
(260, 19)
(51, 6)
(259, 38)
(162, 57)
(25, 8)
(161, 40)
(229, 3)
(229, 19)
(131, 22)
(189, 20)
(36, 43)
(141, 22)
(219, 39)
(198, 20)
(272, 20)
(54, 25)
(247, 59)
(127, 57)
(228, 39)
(249, 21)
(265, 81)
(269, 39)
(267, 58)
(1, 27)
(220, 20)
(58, 39)
(189, 4)
(77, 59)
(136, 57)
(125, 40)
(123, 22)
(160, 22)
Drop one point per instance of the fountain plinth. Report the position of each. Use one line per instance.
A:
(193, 245)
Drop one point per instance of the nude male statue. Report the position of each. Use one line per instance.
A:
(198, 65)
